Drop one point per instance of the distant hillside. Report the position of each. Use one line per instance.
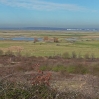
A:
(50, 28)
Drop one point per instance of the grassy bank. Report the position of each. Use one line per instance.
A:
(52, 49)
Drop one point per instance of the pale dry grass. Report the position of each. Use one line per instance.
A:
(85, 84)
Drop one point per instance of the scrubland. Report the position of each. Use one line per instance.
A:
(67, 68)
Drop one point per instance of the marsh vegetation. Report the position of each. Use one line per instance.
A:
(63, 65)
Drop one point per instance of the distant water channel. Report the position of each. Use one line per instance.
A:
(21, 39)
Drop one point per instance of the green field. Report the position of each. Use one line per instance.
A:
(85, 43)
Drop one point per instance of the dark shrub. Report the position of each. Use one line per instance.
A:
(66, 55)
(9, 52)
(74, 55)
(1, 52)
(87, 56)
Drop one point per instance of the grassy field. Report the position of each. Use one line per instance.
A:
(85, 43)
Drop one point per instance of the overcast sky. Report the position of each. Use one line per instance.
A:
(49, 13)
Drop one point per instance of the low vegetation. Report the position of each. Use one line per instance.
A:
(32, 77)
(54, 68)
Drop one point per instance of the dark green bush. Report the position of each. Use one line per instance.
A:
(58, 68)
(44, 68)
(78, 69)
(20, 91)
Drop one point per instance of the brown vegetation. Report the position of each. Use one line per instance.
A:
(63, 77)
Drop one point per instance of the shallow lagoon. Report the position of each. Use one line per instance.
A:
(21, 39)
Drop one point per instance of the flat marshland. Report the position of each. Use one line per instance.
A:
(79, 42)
(49, 64)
